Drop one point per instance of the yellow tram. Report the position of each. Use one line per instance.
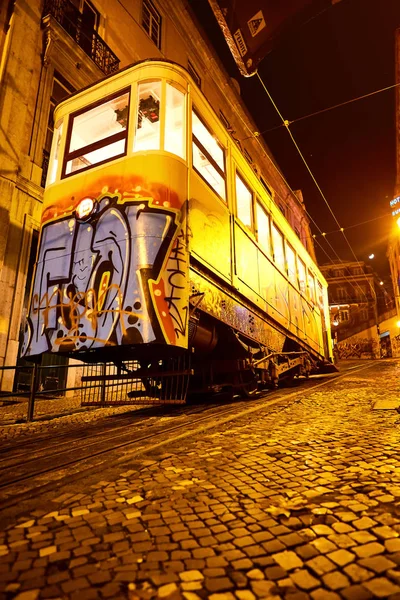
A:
(159, 241)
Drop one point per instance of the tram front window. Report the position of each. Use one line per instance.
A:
(97, 134)
(148, 116)
(174, 121)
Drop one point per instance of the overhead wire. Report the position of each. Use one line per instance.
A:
(322, 110)
(287, 126)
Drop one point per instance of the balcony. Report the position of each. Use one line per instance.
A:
(70, 19)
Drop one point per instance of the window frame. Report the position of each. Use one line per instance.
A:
(212, 161)
(116, 137)
(152, 10)
(296, 276)
(244, 182)
(259, 203)
(282, 267)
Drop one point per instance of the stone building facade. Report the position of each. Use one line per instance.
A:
(48, 49)
(362, 310)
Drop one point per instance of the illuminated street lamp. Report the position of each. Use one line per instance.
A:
(371, 256)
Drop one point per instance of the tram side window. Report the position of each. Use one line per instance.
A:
(175, 121)
(263, 235)
(147, 135)
(311, 287)
(291, 265)
(97, 134)
(277, 244)
(244, 201)
(208, 157)
(301, 270)
(320, 294)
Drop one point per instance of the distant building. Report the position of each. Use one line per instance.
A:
(362, 310)
(51, 48)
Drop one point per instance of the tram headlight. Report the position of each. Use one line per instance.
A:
(84, 209)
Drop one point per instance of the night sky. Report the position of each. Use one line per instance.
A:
(343, 53)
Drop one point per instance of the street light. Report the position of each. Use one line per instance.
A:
(371, 256)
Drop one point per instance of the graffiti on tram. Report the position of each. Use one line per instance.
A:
(117, 278)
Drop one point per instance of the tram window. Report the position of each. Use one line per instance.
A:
(291, 265)
(311, 287)
(97, 134)
(55, 152)
(301, 270)
(320, 292)
(263, 235)
(174, 121)
(208, 156)
(244, 200)
(277, 245)
(148, 116)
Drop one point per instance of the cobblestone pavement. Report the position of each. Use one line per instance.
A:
(301, 502)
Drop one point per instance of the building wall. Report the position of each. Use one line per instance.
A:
(32, 50)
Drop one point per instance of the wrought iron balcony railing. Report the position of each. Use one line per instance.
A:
(70, 19)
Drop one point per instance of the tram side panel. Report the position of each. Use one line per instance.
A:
(120, 276)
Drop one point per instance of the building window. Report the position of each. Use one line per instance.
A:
(97, 134)
(357, 271)
(244, 201)
(266, 186)
(225, 121)
(151, 22)
(60, 90)
(147, 136)
(363, 314)
(338, 273)
(194, 74)
(208, 156)
(343, 316)
(341, 293)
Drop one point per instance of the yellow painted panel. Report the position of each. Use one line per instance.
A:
(209, 228)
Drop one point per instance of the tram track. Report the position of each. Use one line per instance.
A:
(49, 474)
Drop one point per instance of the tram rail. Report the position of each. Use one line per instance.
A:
(33, 476)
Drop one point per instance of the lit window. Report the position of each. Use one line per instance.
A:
(55, 152)
(343, 316)
(320, 291)
(151, 22)
(147, 135)
(301, 270)
(277, 245)
(263, 235)
(208, 157)
(338, 273)
(291, 265)
(341, 293)
(174, 121)
(311, 287)
(244, 200)
(97, 134)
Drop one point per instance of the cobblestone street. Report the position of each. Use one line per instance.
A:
(296, 501)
